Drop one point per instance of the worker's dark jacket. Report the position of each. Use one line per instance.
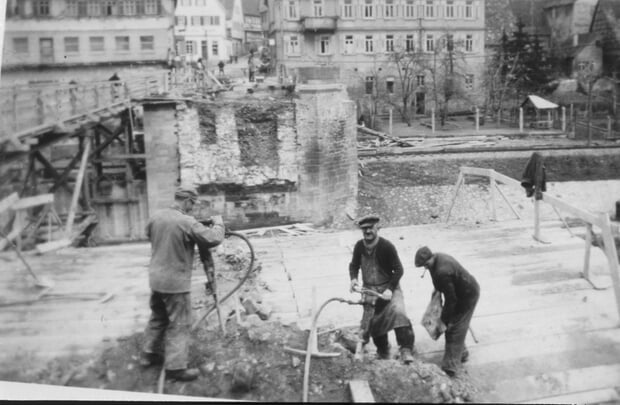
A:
(173, 235)
(390, 268)
(460, 289)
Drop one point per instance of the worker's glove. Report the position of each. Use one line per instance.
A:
(387, 295)
(354, 285)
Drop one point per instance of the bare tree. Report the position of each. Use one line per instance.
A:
(408, 65)
(587, 75)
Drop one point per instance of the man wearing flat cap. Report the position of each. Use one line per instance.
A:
(381, 272)
(173, 233)
(460, 293)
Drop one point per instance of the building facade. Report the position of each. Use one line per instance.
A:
(200, 30)
(234, 26)
(252, 26)
(73, 34)
(352, 40)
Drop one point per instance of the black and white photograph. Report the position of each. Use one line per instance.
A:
(396, 201)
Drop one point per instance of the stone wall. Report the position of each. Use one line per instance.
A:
(259, 161)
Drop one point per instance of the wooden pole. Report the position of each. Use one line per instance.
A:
(521, 119)
(459, 183)
(586, 259)
(612, 255)
(433, 120)
(77, 188)
(477, 119)
(536, 219)
(563, 119)
(492, 196)
(390, 121)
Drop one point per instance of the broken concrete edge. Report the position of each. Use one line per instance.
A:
(24, 391)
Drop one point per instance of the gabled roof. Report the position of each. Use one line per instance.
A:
(531, 13)
(251, 7)
(540, 103)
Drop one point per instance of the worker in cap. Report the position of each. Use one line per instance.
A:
(460, 295)
(173, 234)
(381, 272)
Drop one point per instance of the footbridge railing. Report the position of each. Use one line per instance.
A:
(28, 109)
(591, 220)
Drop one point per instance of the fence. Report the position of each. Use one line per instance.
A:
(591, 220)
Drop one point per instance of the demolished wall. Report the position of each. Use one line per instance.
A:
(263, 160)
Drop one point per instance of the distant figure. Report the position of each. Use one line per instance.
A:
(221, 66)
(251, 67)
(114, 77)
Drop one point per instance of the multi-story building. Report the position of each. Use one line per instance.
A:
(234, 26)
(353, 39)
(200, 30)
(90, 39)
(252, 27)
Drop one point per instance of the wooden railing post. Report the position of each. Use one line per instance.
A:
(586, 259)
(433, 120)
(537, 219)
(612, 255)
(492, 196)
(459, 183)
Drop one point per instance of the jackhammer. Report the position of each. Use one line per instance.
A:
(368, 298)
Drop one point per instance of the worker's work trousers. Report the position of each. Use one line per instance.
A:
(455, 337)
(167, 332)
(404, 337)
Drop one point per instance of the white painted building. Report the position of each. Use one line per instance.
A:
(80, 36)
(200, 30)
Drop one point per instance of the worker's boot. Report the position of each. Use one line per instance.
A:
(185, 374)
(464, 356)
(406, 355)
(150, 359)
(383, 352)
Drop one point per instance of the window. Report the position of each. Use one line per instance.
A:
(450, 42)
(180, 20)
(20, 45)
(147, 43)
(293, 45)
(72, 45)
(215, 48)
(215, 20)
(419, 80)
(122, 43)
(370, 82)
(72, 8)
(109, 7)
(189, 47)
(368, 9)
(150, 7)
(94, 8)
(318, 8)
(324, 45)
(389, 9)
(201, 3)
(409, 8)
(41, 7)
(389, 43)
(469, 43)
(469, 82)
(129, 7)
(389, 85)
(96, 44)
(469, 6)
(291, 10)
(347, 9)
(430, 43)
(195, 20)
(369, 44)
(429, 10)
(349, 44)
(409, 45)
(449, 8)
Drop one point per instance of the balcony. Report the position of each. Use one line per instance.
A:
(319, 24)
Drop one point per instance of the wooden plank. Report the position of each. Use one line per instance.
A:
(77, 187)
(28, 202)
(8, 202)
(574, 211)
(604, 395)
(53, 245)
(360, 391)
(559, 383)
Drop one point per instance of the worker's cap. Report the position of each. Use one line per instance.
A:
(367, 221)
(422, 256)
(186, 192)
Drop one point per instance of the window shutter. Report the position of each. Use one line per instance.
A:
(476, 6)
(459, 11)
